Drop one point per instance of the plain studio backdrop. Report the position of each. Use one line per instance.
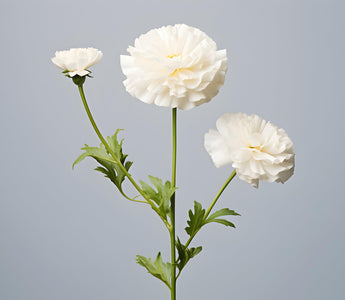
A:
(70, 235)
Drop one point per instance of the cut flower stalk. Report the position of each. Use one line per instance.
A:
(180, 67)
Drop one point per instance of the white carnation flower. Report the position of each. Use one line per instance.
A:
(257, 149)
(76, 61)
(174, 66)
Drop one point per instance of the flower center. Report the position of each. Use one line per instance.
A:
(255, 147)
(175, 72)
(174, 64)
(255, 142)
(175, 55)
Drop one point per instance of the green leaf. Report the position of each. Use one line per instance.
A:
(161, 195)
(195, 221)
(115, 146)
(223, 221)
(157, 268)
(220, 213)
(185, 254)
(94, 152)
(109, 167)
(182, 254)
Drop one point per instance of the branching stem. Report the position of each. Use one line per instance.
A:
(226, 183)
(111, 152)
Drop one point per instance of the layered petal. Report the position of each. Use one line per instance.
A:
(76, 61)
(257, 149)
(174, 66)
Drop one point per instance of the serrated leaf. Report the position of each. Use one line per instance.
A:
(182, 254)
(185, 254)
(158, 268)
(109, 167)
(195, 221)
(194, 251)
(116, 146)
(95, 153)
(161, 195)
(221, 213)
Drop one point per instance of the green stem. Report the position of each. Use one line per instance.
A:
(226, 183)
(111, 152)
(172, 206)
(231, 177)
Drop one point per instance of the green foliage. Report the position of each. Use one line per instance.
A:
(109, 167)
(157, 268)
(221, 213)
(185, 254)
(161, 196)
(196, 219)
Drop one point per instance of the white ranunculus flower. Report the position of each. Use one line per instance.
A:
(174, 66)
(77, 60)
(257, 149)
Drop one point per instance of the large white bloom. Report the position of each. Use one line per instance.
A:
(77, 60)
(257, 149)
(174, 66)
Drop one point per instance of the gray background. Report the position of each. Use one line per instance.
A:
(69, 235)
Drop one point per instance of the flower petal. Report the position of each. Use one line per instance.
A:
(77, 60)
(257, 149)
(181, 60)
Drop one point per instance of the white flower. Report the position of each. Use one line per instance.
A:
(257, 149)
(174, 66)
(76, 61)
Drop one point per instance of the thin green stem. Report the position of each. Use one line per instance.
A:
(174, 146)
(111, 152)
(172, 207)
(132, 199)
(226, 183)
(231, 177)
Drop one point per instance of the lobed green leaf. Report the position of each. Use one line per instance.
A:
(185, 254)
(158, 268)
(94, 152)
(220, 213)
(108, 166)
(196, 219)
(161, 195)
